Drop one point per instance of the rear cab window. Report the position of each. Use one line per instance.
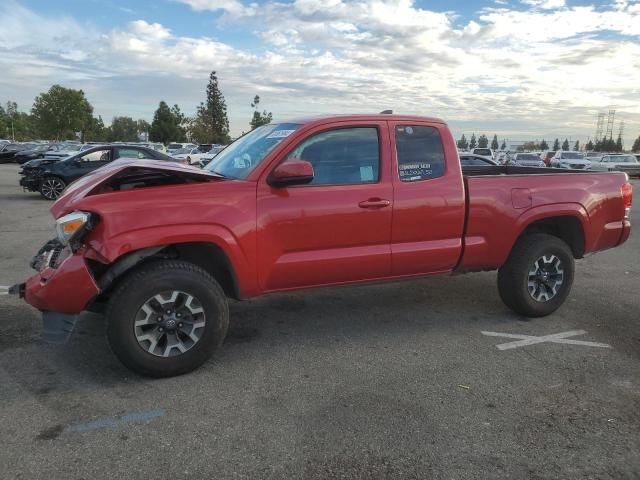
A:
(419, 153)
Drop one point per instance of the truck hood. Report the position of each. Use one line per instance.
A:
(126, 174)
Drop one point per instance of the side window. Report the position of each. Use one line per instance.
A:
(420, 153)
(342, 156)
(131, 153)
(97, 156)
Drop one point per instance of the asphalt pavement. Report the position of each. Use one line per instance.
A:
(416, 379)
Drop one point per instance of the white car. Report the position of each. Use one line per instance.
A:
(207, 157)
(527, 160)
(191, 155)
(483, 152)
(570, 160)
(620, 163)
(174, 147)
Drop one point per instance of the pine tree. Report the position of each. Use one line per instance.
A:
(619, 144)
(463, 144)
(556, 145)
(504, 145)
(589, 146)
(167, 125)
(473, 143)
(259, 119)
(494, 143)
(544, 145)
(636, 145)
(483, 141)
(576, 147)
(211, 124)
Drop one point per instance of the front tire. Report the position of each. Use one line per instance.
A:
(51, 187)
(536, 279)
(167, 318)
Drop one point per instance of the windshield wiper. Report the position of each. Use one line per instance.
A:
(223, 175)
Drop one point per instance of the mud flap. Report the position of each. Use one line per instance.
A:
(57, 327)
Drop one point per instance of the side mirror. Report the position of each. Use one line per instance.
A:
(291, 172)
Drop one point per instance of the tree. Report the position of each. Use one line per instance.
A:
(556, 145)
(473, 143)
(636, 145)
(576, 147)
(211, 124)
(494, 143)
(544, 145)
(619, 145)
(167, 125)
(61, 112)
(143, 128)
(504, 145)
(483, 141)
(463, 144)
(95, 131)
(529, 147)
(565, 144)
(259, 119)
(123, 129)
(589, 146)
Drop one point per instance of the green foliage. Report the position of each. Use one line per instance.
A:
(259, 119)
(576, 147)
(529, 147)
(463, 144)
(61, 112)
(167, 125)
(123, 129)
(504, 145)
(473, 143)
(589, 146)
(211, 124)
(556, 145)
(565, 144)
(606, 145)
(636, 145)
(494, 143)
(483, 141)
(95, 130)
(544, 145)
(619, 145)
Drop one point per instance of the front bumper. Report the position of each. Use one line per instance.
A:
(30, 183)
(61, 289)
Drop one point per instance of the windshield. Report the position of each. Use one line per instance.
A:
(240, 158)
(182, 150)
(624, 159)
(174, 146)
(528, 156)
(482, 151)
(573, 155)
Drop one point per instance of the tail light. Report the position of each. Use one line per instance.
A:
(627, 199)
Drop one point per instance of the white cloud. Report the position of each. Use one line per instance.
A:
(545, 4)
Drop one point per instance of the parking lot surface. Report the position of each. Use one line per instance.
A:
(420, 379)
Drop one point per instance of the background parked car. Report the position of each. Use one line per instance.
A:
(67, 149)
(190, 155)
(570, 159)
(483, 152)
(205, 158)
(51, 176)
(8, 151)
(173, 147)
(38, 150)
(621, 163)
(527, 160)
(472, 160)
(546, 157)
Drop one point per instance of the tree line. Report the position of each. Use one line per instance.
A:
(604, 145)
(66, 114)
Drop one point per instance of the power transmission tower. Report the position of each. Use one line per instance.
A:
(610, 120)
(599, 127)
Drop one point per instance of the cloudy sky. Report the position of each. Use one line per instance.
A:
(523, 69)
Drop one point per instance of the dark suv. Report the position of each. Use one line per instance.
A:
(51, 176)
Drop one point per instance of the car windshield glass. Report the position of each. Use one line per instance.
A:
(181, 150)
(482, 151)
(240, 158)
(174, 146)
(625, 159)
(528, 156)
(573, 155)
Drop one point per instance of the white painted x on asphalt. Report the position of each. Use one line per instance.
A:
(561, 337)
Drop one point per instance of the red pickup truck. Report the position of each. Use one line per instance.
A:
(312, 202)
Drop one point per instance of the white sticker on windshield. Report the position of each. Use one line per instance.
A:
(280, 133)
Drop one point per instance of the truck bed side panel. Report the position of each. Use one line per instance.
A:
(502, 206)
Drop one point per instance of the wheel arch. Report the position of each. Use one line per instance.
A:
(568, 226)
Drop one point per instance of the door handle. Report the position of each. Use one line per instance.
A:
(374, 203)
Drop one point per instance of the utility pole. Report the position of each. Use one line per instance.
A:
(13, 132)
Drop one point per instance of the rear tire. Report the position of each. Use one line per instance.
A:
(167, 318)
(536, 279)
